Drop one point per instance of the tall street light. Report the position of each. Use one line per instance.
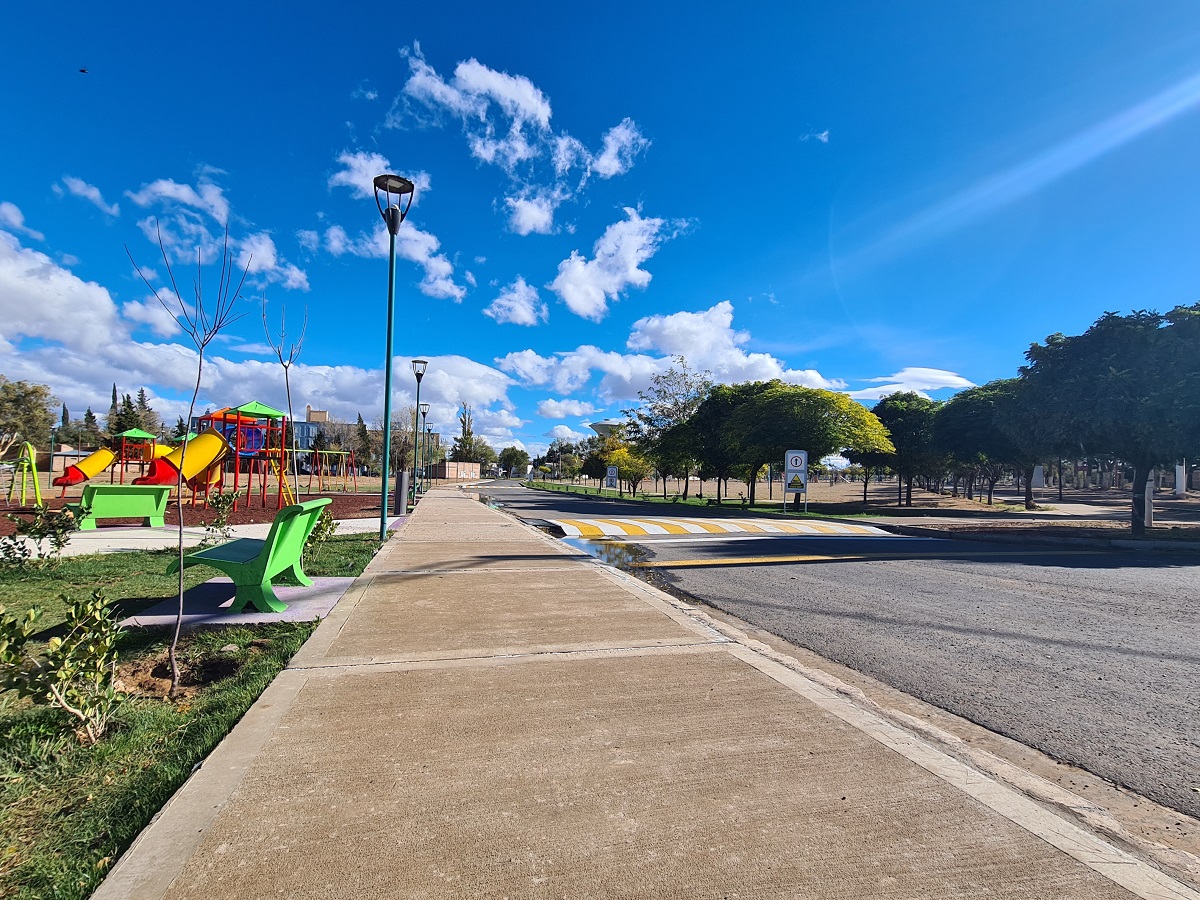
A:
(393, 215)
(424, 410)
(428, 448)
(419, 366)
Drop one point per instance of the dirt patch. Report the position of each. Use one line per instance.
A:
(150, 676)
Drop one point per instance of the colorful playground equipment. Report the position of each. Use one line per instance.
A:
(258, 435)
(332, 469)
(25, 469)
(201, 463)
(87, 468)
(136, 448)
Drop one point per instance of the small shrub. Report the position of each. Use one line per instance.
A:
(48, 526)
(322, 532)
(218, 531)
(75, 673)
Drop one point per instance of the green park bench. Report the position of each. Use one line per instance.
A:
(254, 563)
(147, 502)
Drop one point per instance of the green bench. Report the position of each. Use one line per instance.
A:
(254, 563)
(147, 502)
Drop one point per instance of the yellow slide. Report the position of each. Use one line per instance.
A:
(205, 450)
(88, 467)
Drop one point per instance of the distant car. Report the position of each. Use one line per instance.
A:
(6, 467)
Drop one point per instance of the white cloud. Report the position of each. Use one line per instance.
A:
(532, 215)
(412, 244)
(358, 171)
(80, 188)
(518, 304)
(205, 197)
(561, 409)
(621, 144)
(912, 378)
(506, 122)
(586, 285)
(708, 340)
(258, 256)
(822, 136)
(13, 219)
(152, 313)
(308, 239)
(39, 299)
(564, 433)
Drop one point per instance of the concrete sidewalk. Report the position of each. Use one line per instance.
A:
(487, 713)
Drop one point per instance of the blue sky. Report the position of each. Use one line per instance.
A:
(866, 197)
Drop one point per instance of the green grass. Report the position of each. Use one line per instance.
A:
(68, 811)
(134, 580)
(342, 555)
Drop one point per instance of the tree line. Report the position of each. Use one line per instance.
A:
(1123, 397)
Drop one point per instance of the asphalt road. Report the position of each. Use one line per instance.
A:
(1092, 656)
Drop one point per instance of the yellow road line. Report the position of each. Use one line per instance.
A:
(847, 557)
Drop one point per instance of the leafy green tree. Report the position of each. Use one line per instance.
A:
(670, 400)
(90, 434)
(871, 463)
(514, 460)
(180, 431)
(908, 417)
(719, 442)
(26, 414)
(783, 417)
(362, 442)
(1127, 385)
(148, 419)
(966, 428)
(632, 469)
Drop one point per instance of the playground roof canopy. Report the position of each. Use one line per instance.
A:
(259, 410)
(251, 410)
(139, 434)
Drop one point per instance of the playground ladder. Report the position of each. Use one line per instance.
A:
(284, 486)
(26, 467)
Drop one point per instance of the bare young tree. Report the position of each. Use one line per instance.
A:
(286, 360)
(202, 321)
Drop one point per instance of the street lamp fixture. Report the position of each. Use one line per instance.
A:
(419, 367)
(389, 186)
(423, 408)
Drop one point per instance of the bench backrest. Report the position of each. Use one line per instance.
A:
(92, 491)
(289, 531)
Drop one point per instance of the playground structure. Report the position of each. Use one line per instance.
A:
(25, 468)
(333, 469)
(257, 435)
(199, 459)
(136, 447)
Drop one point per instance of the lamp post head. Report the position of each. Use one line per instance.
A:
(388, 185)
(424, 407)
(419, 366)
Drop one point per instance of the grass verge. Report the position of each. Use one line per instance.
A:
(68, 811)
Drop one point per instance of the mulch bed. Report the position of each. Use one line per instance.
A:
(344, 506)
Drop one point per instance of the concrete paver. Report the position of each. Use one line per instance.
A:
(501, 717)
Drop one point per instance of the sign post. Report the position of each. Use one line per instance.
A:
(610, 477)
(795, 476)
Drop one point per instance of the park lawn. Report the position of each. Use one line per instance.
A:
(68, 811)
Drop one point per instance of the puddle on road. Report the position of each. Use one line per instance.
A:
(616, 553)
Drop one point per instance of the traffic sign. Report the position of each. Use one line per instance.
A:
(610, 477)
(795, 472)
